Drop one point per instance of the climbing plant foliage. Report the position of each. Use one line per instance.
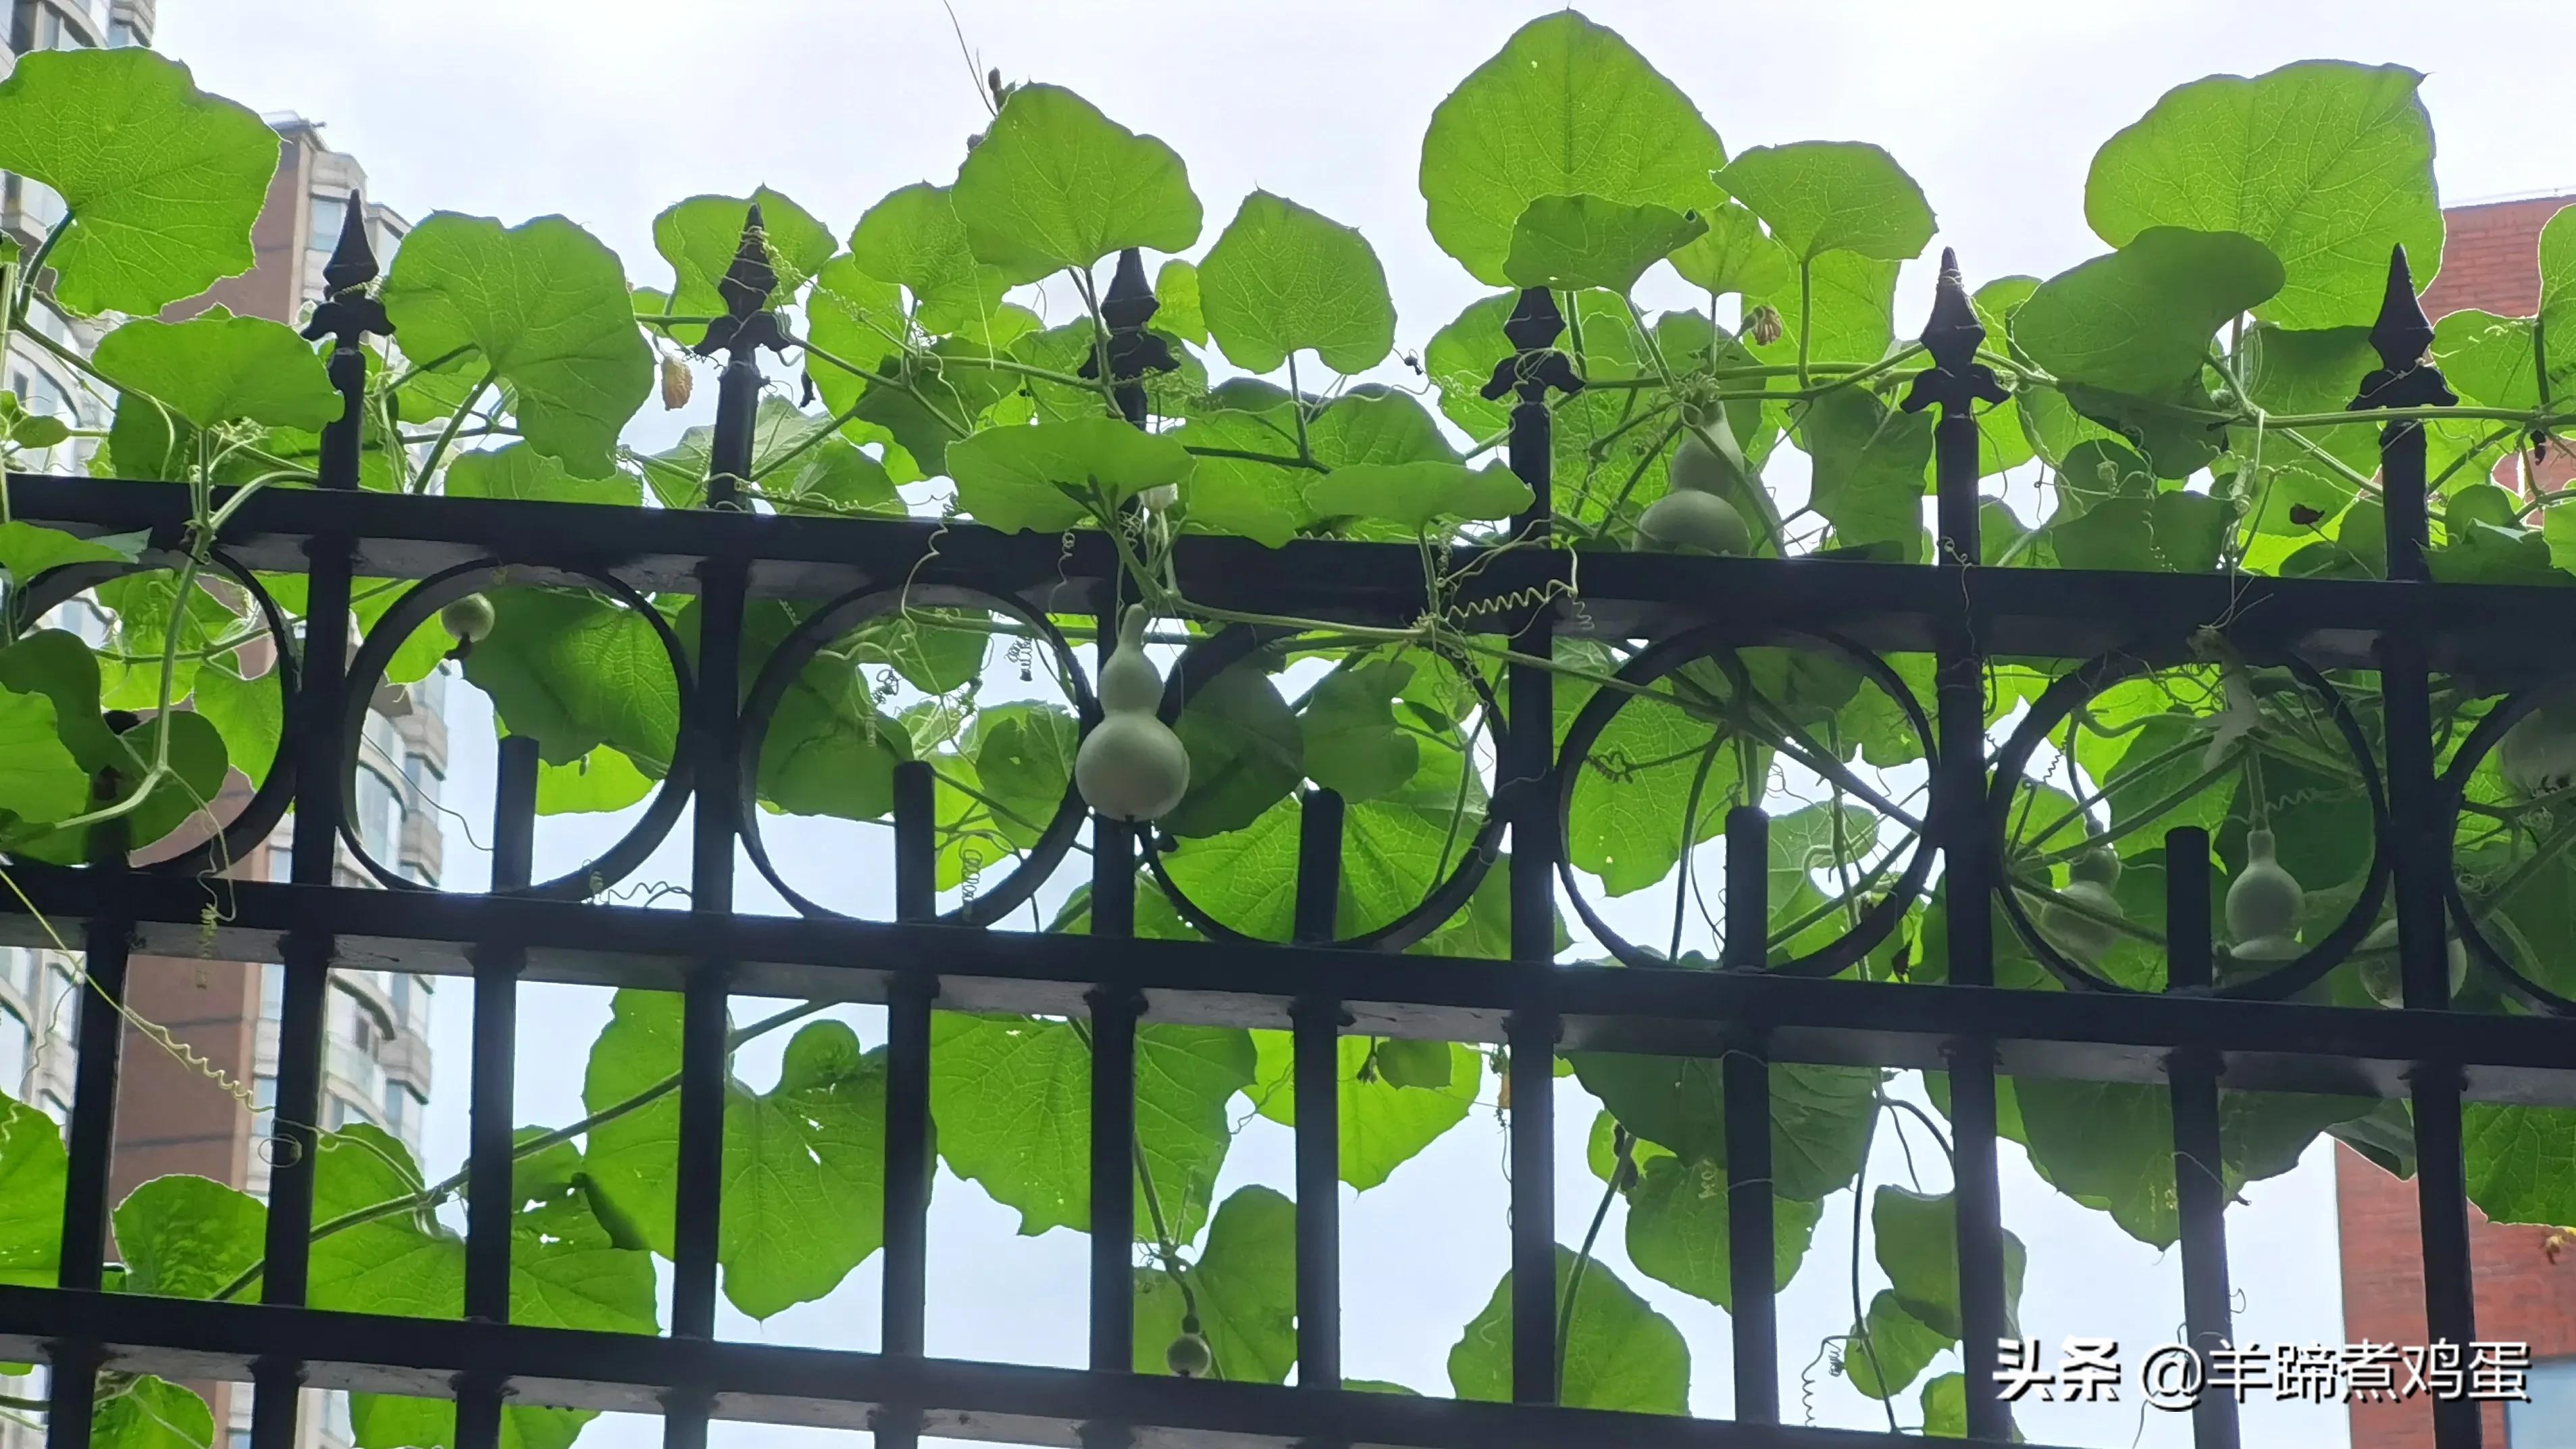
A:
(2176, 403)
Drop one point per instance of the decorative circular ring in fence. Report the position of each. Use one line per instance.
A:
(233, 839)
(2492, 734)
(421, 604)
(1210, 657)
(2073, 691)
(838, 619)
(1668, 658)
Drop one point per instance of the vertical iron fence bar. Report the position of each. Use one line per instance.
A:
(1957, 383)
(908, 1165)
(348, 316)
(106, 947)
(1316, 1044)
(1746, 1077)
(1528, 773)
(2200, 1197)
(2405, 378)
(491, 1204)
(705, 1029)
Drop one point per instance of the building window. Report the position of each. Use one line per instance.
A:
(13, 1055)
(397, 1110)
(2548, 1420)
(263, 1094)
(330, 214)
(272, 991)
(380, 815)
(18, 965)
(62, 1003)
(240, 1437)
(121, 34)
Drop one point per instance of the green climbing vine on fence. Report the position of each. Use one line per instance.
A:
(2178, 403)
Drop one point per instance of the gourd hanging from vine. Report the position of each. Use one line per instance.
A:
(2263, 905)
(2384, 976)
(1131, 766)
(2078, 932)
(1695, 516)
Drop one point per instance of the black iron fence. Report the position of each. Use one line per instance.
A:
(2193, 1035)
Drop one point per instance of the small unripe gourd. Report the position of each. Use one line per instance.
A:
(1188, 1356)
(2081, 937)
(1695, 517)
(2538, 754)
(1131, 766)
(470, 618)
(2263, 905)
(2385, 979)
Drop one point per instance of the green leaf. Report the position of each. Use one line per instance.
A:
(1024, 761)
(32, 1173)
(913, 238)
(27, 550)
(2327, 163)
(1678, 1224)
(416, 656)
(2557, 311)
(577, 671)
(1056, 184)
(1618, 1353)
(829, 751)
(1048, 477)
(1245, 1282)
(1833, 196)
(1869, 461)
(57, 665)
(545, 306)
(188, 1237)
(598, 783)
(219, 368)
(796, 470)
(1352, 742)
(700, 236)
(1851, 309)
(1890, 1348)
(2309, 372)
(2111, 1143)
(2139, 321)
(165, 180)
(1178, 309)
(1267, 501)
(1012, 1100)
(1283, 279)
(2169, 533)
(1384, 1123)
(152, 1413)
(1819, 1115)
(2488, 360)
(1917, 1236)
(40, 782)
(1566, 108)
(1414, 494)
(521, 472)
(2519, 1164)
(1569, 242)
(1945, 1406)
(1736, 255)
(249, 713)
(1626, 824)
(803, 1162)
(1246, 748)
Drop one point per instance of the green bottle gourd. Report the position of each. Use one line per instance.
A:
(2263, 905)
(2384, 977)
(1695, 516)
(2081, 937)
(1188, 1356)
(1131, 766)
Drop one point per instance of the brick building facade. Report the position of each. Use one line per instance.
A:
(2526, 1284)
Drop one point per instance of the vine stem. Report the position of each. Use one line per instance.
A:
(1583, 1257)
(429, 464)
(1860, 1319)
(30, 275)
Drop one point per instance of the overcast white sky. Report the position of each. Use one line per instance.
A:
(610, 110)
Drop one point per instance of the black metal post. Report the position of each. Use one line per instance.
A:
(1751, 1276)
(348, 316)
(2421, 848)
(491, 1202)
(90, 1146)
(1957, 382)
(1316, 1048)
(908, 1161)
(2200, 1190)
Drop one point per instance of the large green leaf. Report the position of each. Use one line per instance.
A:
(1056, 184)
(1245, 1284)
(521, 472)
(1819, 1115)
(803, 1161)
(1012, 1098)
(57, 665)
(164, 181)
(829, 751)
(1618, 1353)
(1282, 279)
(1568, 242)
(1627, 823)
(1833, 196)
(2168, 533)
(188, 1237)
(2488, 360)
(700, 236)
(1048, 477)
(1889, 1348)
(40, 782)
(2326, 163)
(1678, 1229)
(796, 471)
(1024, 762)
(152, 1413)
(544, 305)
(1384, 1124)
(1418, 493)
(1735, 255)
(1869, 461)
(249, 713)
(2557, 312)
(1246, 751)
(577, 671)
(1178, 309)
(1352, 742)
(1566, 108)
(1917, 1238)
(1851, 301)
(2111, 1143)
(32, 1172)
(2520, 1165)
(219, 368)
(913, 238)
(2139, 321)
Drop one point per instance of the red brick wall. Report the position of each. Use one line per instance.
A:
(2490, 260)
